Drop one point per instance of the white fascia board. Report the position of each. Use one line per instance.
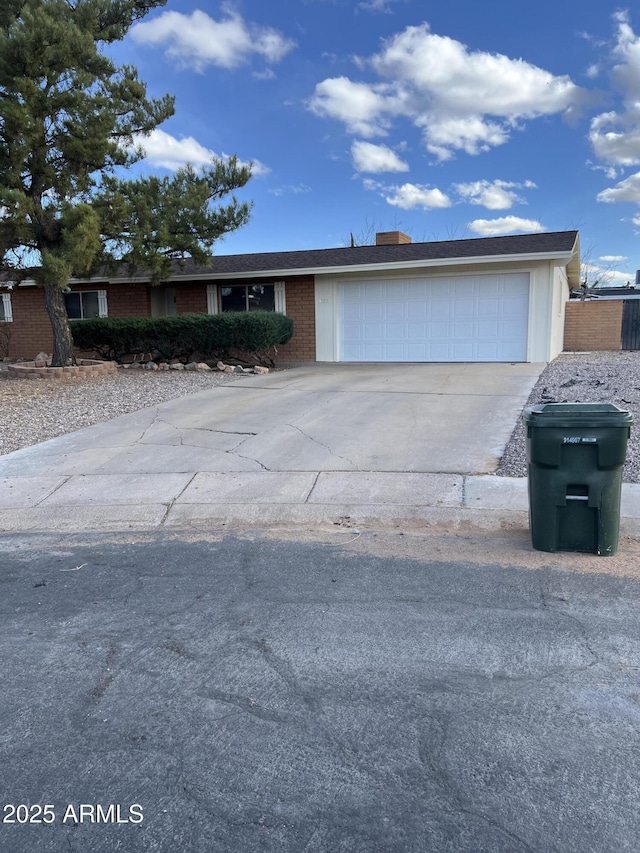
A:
(30, 282)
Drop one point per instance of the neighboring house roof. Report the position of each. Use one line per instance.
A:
(629, 292)
(557, 245)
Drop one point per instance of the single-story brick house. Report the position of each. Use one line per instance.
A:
(481, 299)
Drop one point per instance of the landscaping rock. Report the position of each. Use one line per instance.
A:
(201, 365)
(191, 366)
(177, 366)
(221, 366)
(260, 369)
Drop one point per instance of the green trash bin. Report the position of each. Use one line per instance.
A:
(575, 456)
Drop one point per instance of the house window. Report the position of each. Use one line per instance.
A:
(86, 304)
(249, 297)
(6, 315)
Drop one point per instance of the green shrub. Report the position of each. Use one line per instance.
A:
(242, 335)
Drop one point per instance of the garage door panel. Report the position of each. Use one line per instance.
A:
(416, 331)
(440, 309)
(439, 331)
(465, 308)
(353, 312)
(373, 311)
(394, 331)
(373, 332)
(488, 351)
(464, 287)
(416, 290)
(462, 351)
(461, 318)
(489, 329)
(395, 311)
(463, 331)
(489, 308)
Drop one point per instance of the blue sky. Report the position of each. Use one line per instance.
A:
(441, 119)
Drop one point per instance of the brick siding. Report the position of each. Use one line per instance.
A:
(593, 325)
(301, 307)
(30, 332)
(191, 298)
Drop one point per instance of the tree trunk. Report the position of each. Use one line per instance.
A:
(62, 340)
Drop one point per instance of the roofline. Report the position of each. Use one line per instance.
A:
(352, 268)
(571, 257)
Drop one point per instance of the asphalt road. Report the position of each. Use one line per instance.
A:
(317, 692)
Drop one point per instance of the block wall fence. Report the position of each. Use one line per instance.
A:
(593, 325)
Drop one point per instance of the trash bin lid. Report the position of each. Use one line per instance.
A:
(577, 414)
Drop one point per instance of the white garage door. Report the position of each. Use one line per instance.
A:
(457, 318)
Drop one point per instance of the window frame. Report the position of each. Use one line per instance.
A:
(7, 309)
(102, 304)
(214, 295)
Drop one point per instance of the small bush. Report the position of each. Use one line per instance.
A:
(254, 335)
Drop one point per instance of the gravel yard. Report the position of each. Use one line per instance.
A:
(593, 377)
(34, 411)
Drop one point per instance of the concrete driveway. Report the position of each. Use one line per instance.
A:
(322, 435)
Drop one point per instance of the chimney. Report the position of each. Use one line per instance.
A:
(391, 238)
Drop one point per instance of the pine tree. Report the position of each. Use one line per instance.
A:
(69, 122)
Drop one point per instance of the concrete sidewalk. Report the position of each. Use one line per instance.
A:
(348, 499)
(325, 444)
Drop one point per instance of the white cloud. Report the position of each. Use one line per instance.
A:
(376, 158)
(197, 40)
(494, 195)
(376, 6)
(409, 196)
(267, 74)
(462, 100)
(294, 189)
(365, 109)
(627, 190)
(615, 136)
(613, 259)
(162, 149)
(504, 225)
(605, 276)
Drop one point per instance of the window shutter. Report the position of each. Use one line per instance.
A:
(6, 306)
(102, 303)
(279, 297)
(212, 299)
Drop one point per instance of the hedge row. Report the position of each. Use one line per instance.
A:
(233, 334)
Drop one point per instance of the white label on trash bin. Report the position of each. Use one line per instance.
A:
(577, 439)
